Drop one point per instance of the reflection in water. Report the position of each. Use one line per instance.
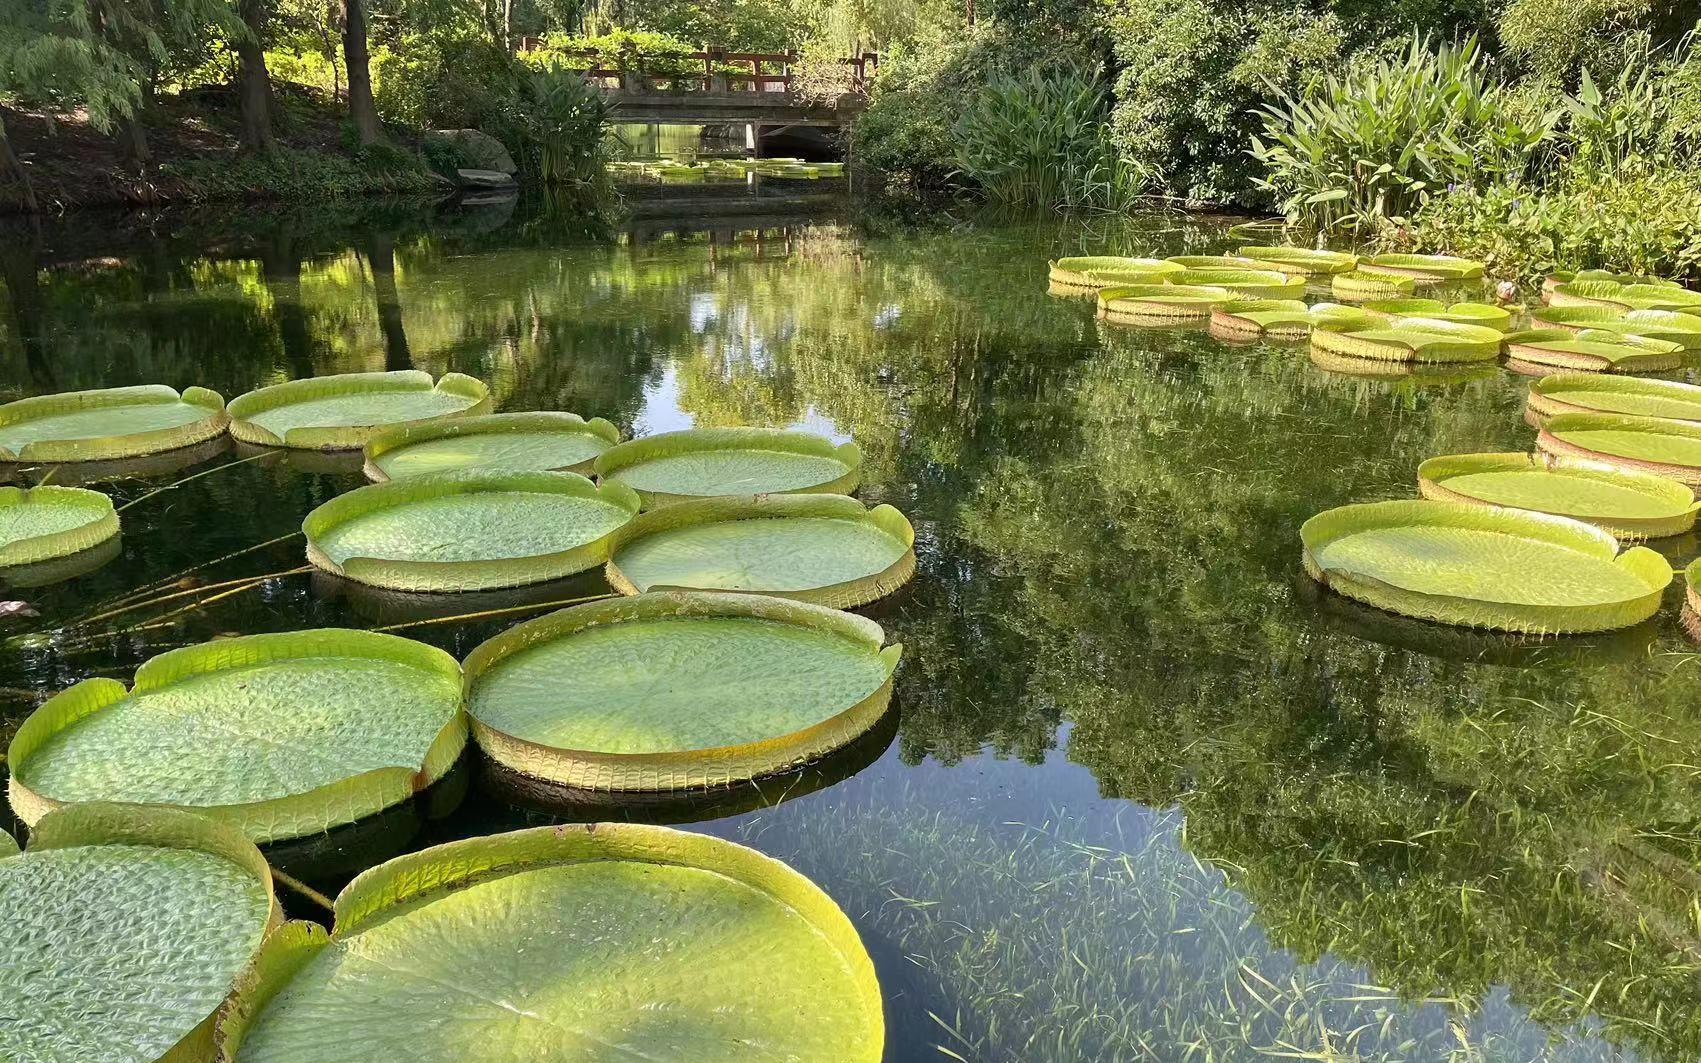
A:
(1149, 795)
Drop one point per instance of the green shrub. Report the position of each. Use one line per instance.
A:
(620, 49)
(290, 174)
(557, 126)
(444, 81)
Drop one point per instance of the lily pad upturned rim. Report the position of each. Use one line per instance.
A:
(1281, 318)
(1551, 442)
(667, 444)
(1310, 260)
(101, 823)
(101, 525)
(1245, 283)
(1410, 339)
(1645, 565)
(1179, 302)
(1625, 296)
(1484, 314)
(1566, 276)
(346, 437)
(685, 769)
(1590, 351)
(847, 594)
(1359, 283)
(277, 818)
(401, 436)
(1673, 326)
(1238, 262)
(1434, 474)
(402, 574)
(1546, 396)
(1077, 271)
(414, 880)
(107, 448)
(1424, 269)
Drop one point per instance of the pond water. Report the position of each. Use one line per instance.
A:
(1148, 794)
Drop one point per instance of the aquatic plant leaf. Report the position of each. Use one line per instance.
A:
(279, 735)
(1312, 261)
(1483, 566)
(509, 442)
(109, 423)
(1081, 271)
(1363, 284)
(609, 941)
(1625, 296)
(677, 690)
(44, 523)
(1406, 339)
(1259, 317)
(1592, 350)
(825, 549)
(467, 530)
(1636, 397)
(1238, 262)
(1627, 504)
(1554, 280)
(1246, 283)
(343, 412)
(1488, 315)
(122, 930)
(709, 462)
(1651, 444)
(1668, 325)
(1424, 268)
(1170, 302)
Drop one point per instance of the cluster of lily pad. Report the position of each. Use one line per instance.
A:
(723, 654)
(673, 172)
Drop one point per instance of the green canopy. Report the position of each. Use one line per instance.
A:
(44, 523)
(508, 442)
(1630, 505)
(343, 412)
(108, 424)
(709, 462)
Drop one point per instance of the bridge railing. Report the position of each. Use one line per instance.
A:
(711, 70)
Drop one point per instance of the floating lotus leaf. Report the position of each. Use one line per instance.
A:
(109, 423)
(1589, 393)
(343, 412)
(1411, 339)
(1591, 351)
(1554, 280)
(601, 942)
(1630, 505)
(1646, 444)
(122, 931)
(1301, 258)
(279, 735)
(825, 549)
(1169, 302)
(677, 690)
(1077, 272)
(1417, 373)
(1285, 318)
(1616, 296)
(710, 462)
(510, 442)
(1246, 283)
(1668, 325)
(1360, 284)
(1495, 317)
(1483, 566)
(469, 530)
(44, 523)
(1237, 262)
(1424, 269)
(1110, 278)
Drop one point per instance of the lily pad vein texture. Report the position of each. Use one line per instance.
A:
(826, 549)
(1082, 272)
(508, 442)
(469, 530)
(44, 523)
(710, 462)
(342, 412)
(677, 690)
(1483, 566)
(122, 931)
(601, 943)
(109, 423)
(279, 735)
(1630, 396)
(1647, 444)
(1629, 505)
(1409, 339)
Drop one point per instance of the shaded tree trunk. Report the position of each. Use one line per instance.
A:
(13, 167)
(361, 109)
(280, 265)
(381, 256)
(135, 132)
(253, 80)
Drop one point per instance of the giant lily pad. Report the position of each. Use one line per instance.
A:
(1541, 351)
(601, 942)
(709, 462)
(1079, 272)
(1237, 262)
(825, 549)
(1424, 269)
(1413, 339)
(507, 442)
(279, 735)
(1668, 325)
(1301, 259)
(1171, 302)
(1485, 314)
(1555, 279)
(1646, 444)
(122, 931)
(343, 412)
(43, 523)
(1616, 296)
(1281, 318)
(1630, 505)
(1246, 283)
(677, 690)
(467, 531)
(1633, 396)
(109, 423)
(1483, 566)
(1361, 284)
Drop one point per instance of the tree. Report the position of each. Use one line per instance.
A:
(361, 108)
(253, 81)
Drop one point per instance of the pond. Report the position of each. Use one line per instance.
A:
(1148, 794)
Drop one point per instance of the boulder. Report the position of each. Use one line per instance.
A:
(480, 151)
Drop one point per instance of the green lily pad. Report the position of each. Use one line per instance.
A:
(710, 462)
(677, 690)
(1282, 318)
(1626, 297)
(507, 442)
(343, 412)
(109, 423)
(1246, 283)
(1483, 566)
(469, 530)
(279, 735)
(1301, 258)
(1668, 325)
(1178, 302)
(1411, 339)
(1554, 280)
(825, 549)
(1632, 505)
(1590, 351)
(1237, 262)
(1424, 269)
(44, 523)
(1419, 374)
(1647, 444)
(1633, 396)
(1362, 284)
(609, 941)
(1485, 314)
(122, 931)
(1079, 272)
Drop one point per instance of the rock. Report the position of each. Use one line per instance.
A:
(484, 179)
(480, 151)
